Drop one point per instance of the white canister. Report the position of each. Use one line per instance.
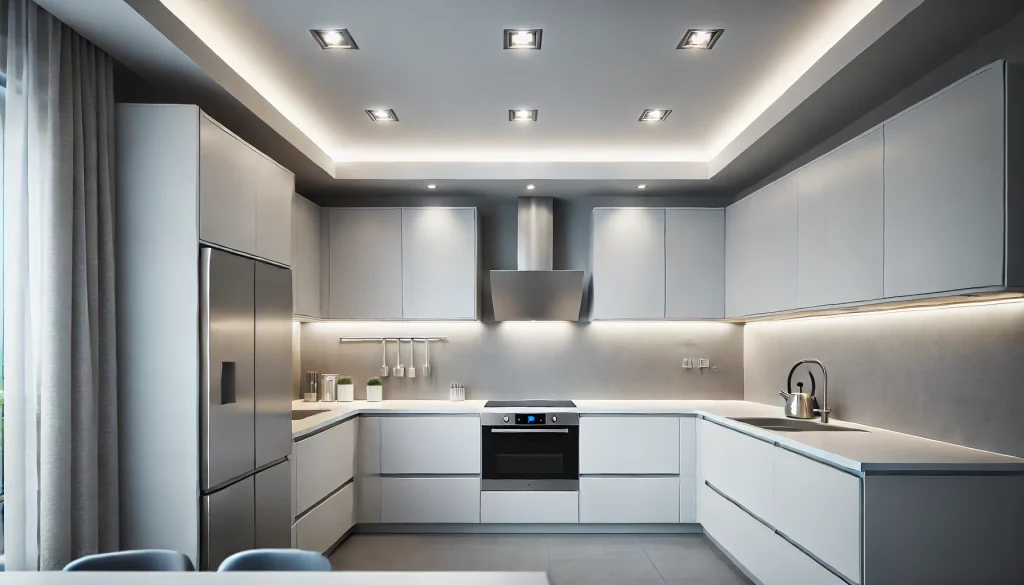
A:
(346, 392)
(374, 393)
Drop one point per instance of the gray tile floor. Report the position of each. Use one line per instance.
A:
(623, 559)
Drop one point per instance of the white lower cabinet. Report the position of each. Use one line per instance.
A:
(323, 462)
(791, 566)
(326, 523)
(527, 507)
(741, 467)
(629, 445)
(430, 500)
(437, 445)
(803, 489)
(629, 500)
(687, 470)
(748, 541)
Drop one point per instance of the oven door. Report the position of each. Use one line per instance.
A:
(530, 458)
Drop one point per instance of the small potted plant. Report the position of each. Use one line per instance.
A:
(346, 390)
(374, 390)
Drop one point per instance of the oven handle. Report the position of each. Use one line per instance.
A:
(563, 431)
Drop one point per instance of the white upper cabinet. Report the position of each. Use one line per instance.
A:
(761, 251)
(840, 213)
(628, 263)
(365, 263)
(694, 263)
(227, 189)
(305, 256)
(439, 263)
(244, 197)
(944, 190)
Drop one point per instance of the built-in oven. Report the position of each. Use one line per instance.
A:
(530, 451)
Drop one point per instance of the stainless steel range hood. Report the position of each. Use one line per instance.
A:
(535, 292)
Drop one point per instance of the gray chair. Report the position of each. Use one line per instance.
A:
(133, 560)
(275, 559)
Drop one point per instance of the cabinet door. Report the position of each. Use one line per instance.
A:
(227, 189)
(273, 211)
(629, 500)
(365, 263)
(803, 488)
(761, 250)
(694, 263)
(323, 463)
(442, 445)
(628, 264)
(740, 467)
(687, 469)
(439, 263)
(944, 191)
(430, 500)
(325, 524)
(629, 444)
(748, 541)
(305, 256)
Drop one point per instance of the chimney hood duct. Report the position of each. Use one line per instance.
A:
(535, 292)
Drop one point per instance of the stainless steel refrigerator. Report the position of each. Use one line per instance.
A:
(245, 405)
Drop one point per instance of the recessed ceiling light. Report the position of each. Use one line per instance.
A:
(522, 115)
(650, 115)
(337, 38)
(530, 187)
(700, 38)
(522, 38)
(431, 186)
(382, 115)
(641, 186)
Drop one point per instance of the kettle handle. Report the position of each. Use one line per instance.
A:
(789, 380)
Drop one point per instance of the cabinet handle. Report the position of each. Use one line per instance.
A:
(510, 431)
(227, 383)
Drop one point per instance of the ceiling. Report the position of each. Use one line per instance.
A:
(738, 110)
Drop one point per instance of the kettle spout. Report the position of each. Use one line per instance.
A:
(785, 395)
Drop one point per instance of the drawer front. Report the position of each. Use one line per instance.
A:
(319, 529)
(430, 500)
(629, 500)
(442, 445)
(324, 462)
(793, 567)
(820, 508)
(529, 507)
(629, 445)
(750, 542)
(741, 467)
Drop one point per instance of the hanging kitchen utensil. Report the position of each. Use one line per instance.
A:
(426, 358)
(384, 359)
(399, 369)
(412, 358)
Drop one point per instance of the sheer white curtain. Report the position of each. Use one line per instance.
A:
(60, 441)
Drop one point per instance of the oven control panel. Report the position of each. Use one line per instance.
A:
(530, 419)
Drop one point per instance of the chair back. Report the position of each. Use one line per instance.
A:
(276, 559)
(133, 560)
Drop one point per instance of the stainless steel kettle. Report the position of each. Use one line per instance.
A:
(801, 404)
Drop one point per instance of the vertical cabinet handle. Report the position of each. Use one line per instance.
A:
(227, 382)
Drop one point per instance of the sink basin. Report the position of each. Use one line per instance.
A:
(301, 414)
(789, 425)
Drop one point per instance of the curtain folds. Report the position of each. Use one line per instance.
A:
(60, 444)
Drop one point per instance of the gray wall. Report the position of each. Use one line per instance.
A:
(551, 360)
(950, 374)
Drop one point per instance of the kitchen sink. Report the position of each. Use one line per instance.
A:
(301, 414)
(789, 425)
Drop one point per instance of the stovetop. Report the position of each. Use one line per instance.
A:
(530, 404)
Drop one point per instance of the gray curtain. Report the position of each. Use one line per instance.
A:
(59, 323)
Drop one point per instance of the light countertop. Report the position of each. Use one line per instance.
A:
(274, 578)
(877, 450)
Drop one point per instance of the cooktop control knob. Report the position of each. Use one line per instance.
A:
(554, 419)
(505, 419)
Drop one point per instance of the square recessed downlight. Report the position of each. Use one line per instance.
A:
(654, 115)
(522, 115)
(335, 38)
(381, 115)
(526, 38)
(700, 38)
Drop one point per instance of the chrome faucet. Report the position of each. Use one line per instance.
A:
(801, 405)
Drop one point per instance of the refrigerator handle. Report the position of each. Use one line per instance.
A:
(227, 383)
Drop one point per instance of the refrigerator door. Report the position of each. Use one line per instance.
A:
(228, 523)
(273, 363)
(226, 369)
(274, 506)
